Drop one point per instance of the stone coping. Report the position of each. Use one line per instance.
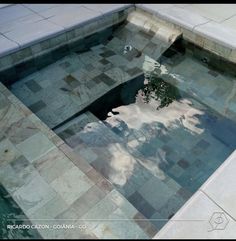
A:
(213, 31)
(22, 25)
(217, 195)
(215, 200)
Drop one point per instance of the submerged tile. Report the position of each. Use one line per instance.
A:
(36, 107)
(141, 204)
(89, 199)
(33, 86)
(67, 184)
(156, 198)
(35, 146)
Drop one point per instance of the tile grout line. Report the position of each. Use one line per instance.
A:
(93, 10)
(200, 24)
(217, 204)
(45, 18)
(10, 39)
(228, 18)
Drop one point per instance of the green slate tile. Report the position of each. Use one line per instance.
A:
(35, 146)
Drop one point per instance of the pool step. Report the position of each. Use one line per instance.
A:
(82, 128)
(88, 130)
(91, 138)
(126, 168)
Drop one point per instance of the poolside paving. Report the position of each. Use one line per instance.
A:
(215, 21)
(19, 21)
(210, 204)
(199, 19)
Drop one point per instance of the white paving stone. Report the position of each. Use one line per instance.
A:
(218, 32)
(221, 186)
(215, 12)
(155, 7)
(26, 24)
(183, 17)
(65, 16)
(71, 15)
(213, 21)
(198, 219)
(40, 7)
(6, 45)
(23, 21)
(217, 195)
(34, 32)
(13, 12)
(179, 16)
(231, 22)
(4, 5)
(181, 5)
(106, 8)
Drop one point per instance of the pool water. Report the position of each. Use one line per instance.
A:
(156, 124)
(11, 214)
(60, 90)
(156, 147)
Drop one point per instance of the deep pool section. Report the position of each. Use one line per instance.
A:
(11, 214)
(156, 143)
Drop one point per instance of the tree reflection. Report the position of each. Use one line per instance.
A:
(156, 88)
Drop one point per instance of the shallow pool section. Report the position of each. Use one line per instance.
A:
(60, 90)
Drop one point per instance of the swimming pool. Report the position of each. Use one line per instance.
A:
(154, 120)
(157, 154)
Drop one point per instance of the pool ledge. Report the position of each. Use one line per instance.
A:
(211, 211)
(212, 31)
(24, 25)
(60, 23)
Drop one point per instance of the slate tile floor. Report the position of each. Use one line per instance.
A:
(211, 87)
(54, 185)
(156, 161)
(65, 87)
(156, 195)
